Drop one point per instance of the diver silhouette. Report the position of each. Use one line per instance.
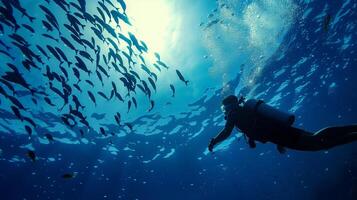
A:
(261, 122)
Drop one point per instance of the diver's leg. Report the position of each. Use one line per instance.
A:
(295, 138)
(346, 138)
(324, 139)
(336, 131)
(329, 137)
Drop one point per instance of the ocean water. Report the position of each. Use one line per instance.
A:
(138, 131)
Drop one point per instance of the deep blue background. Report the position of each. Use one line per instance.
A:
(237, 173)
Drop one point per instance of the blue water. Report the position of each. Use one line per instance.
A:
(285, 52)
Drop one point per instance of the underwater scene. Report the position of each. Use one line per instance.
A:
(178, 99)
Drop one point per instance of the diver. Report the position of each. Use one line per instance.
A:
(261, 122)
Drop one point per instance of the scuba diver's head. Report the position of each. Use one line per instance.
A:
(229, 103)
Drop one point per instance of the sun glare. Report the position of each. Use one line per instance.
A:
(151, 20)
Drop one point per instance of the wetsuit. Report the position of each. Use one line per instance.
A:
(258, 128)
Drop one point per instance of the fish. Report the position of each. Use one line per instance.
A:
(181, 77)
(129, 126)
(76, 74)
(81, 65)
(16, 77)
(91, 96)
(146, 69)
(66, 120)
(103, 95)
(75, 34)
(103, 70)
(122, 4)
(28, 27)
(34, 100)
(48, 101)
(8, 85)
(173, 90)
(152, 104)
(126, 39)
(77, 87)
(101, 14)
(77, 103)
(74, 22)
(64, 71)
(211, 23)
(117, 118)
(30, 121)
(16, 102)
(3, 92)
(47, 26)
(78, 40)
(27, 52)
(54, 53)
(76, 113)
(157, 55)
(134, 102)
(106, 10)
(50, 37)
(89, 18)
(28, 64)
(114, 44)
(87, 43)
(28, 130)
(135, 42)
(49, 137)
(98, 33)
(162, 64)
(99, 77)
(81, 132)
(63, 95)
(152, 83)
(7, 54)
(53, 21)
(76, 6)
(18, 38)
(326, 23)
(102, 131)
(69, 175)
(157, 67)
(4, 45)
(16, 4)
(89, 82)
(68, 44)
(129, 106)
(118, 96)
(119, 16)
(98, 116)
(47, 12)
(82, 5)
(63, 55)
(86, 55)
(146, 89)
(144, 46)
(8, 17)
(32, 155)
(43, 51)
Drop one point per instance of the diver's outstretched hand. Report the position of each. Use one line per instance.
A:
(211, 145)
(281, 149)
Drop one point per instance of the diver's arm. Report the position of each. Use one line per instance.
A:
(251, 143)
(224, 134)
